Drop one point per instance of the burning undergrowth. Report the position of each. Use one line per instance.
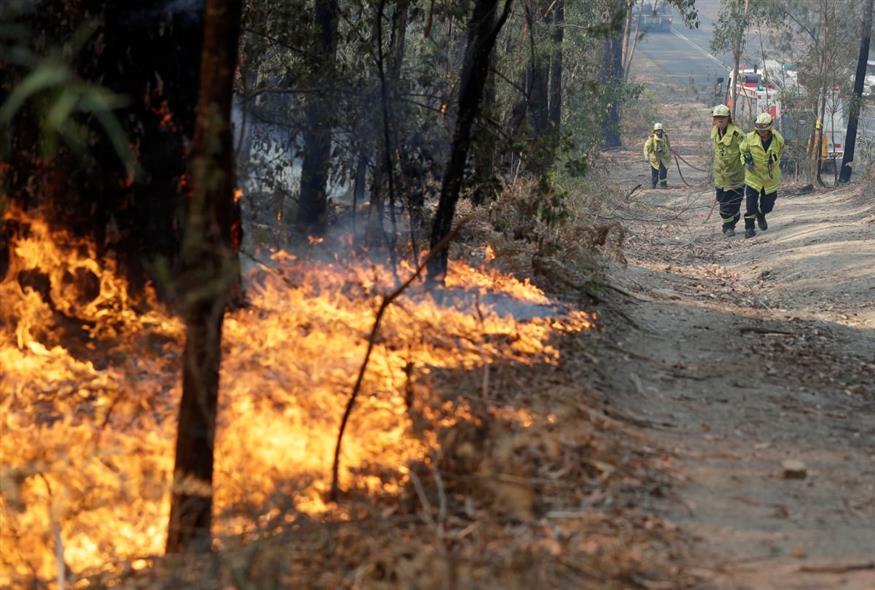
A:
(444, 426)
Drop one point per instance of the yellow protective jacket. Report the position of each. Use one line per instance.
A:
(766, 171)
(658, 150)
(728, 167)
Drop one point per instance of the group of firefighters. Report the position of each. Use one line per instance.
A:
(746, 168)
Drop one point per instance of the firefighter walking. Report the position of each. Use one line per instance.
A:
(657, 150)
(761, 153)
(726, 140)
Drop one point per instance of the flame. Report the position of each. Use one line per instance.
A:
(165, 116)
(88, 414)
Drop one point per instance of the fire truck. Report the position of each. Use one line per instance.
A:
(777, 91)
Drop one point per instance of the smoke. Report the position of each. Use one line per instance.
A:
(187, 10)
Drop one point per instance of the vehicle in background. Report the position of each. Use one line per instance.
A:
(754, 94)
(655, 16)
(776, 90)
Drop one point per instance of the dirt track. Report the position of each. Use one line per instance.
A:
(736, 355)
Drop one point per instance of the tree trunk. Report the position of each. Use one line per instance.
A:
(485, 183)
(856, 103)
(313, 203)
(391, 121)
(538, 77)
(209, 269)
(556, 67)
(611, 67)
(818, 162)
(482, 31)
(627, 31)
(629, 52)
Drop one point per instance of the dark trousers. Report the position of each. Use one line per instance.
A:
(658, 174)
(730, 205)
(758, 203)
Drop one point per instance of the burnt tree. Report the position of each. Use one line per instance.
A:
(486, 183)
(856, 103)
(482, 31)
(313, 202)
(209, 269)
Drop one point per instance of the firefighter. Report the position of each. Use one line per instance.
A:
(728, 169)
(761, 153)
(657, 150)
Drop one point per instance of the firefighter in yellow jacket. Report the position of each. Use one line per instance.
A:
(657, 150)
(726, 140)
(761, 154)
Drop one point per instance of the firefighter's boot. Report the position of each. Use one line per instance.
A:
(663, 184)
(749, 225)
(761, 222)
(728, 231)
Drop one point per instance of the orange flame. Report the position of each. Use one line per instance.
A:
(88, 411)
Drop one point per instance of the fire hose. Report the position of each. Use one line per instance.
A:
(678, 163)
(677, 157)
(681, 174)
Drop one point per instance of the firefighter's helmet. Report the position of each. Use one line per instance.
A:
(763, 122)
(657, 127)
(721, 110)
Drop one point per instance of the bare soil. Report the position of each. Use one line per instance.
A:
(736, 355)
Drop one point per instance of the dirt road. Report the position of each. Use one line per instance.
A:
(738, 355)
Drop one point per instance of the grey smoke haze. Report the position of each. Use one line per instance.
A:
(186, 9)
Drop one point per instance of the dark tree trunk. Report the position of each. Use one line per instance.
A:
(538, 76)
(612, 72)
(482, 31)
(391, 122)
(209, 268)
(538, 105)
(141, 43)
(313, 203)
(556, 66)
(485, 182)
(856, 103)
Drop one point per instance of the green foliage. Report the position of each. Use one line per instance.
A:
(552, 200)
(63, 104)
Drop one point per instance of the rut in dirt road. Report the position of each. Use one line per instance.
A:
(742, 355)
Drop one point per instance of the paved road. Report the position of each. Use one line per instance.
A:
(684, 55)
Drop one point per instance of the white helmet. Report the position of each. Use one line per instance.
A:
(721, 110)
(657, 127)
(764, 121)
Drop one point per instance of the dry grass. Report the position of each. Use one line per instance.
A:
(536, 487)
